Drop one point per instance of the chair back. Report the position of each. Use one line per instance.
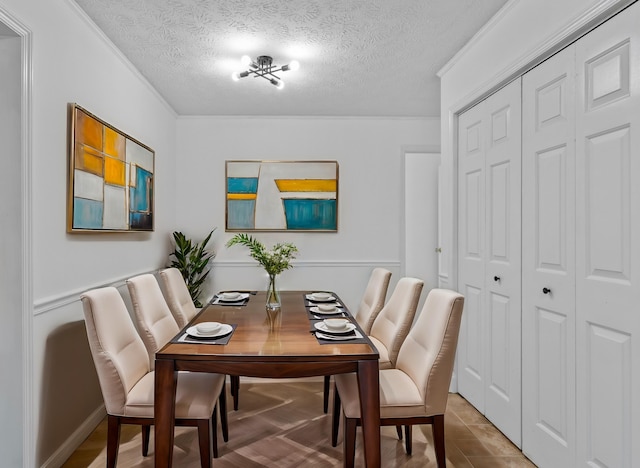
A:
(153, 317)
(178, 297)
(118, 352)
(392, 324)
(428, 353)
(373, 299)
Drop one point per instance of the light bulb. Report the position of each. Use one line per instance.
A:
(235, 76)
(246, 60)
(294, 65)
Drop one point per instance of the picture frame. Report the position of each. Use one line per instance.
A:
(281, 195)
(111, 177)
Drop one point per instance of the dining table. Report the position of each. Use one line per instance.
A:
(267, 344)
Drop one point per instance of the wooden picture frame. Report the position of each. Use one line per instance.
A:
(281, 195)
(111, 178)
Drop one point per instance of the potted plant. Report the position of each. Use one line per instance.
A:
(274, 262)
(192, 260)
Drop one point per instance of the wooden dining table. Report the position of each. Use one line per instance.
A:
(272, 346)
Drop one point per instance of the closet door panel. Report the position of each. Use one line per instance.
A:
(548, 262)
(471, 254)
(503, 276)
(607, 243)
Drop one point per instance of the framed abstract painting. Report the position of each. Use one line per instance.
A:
(111, 178)
(281, 196)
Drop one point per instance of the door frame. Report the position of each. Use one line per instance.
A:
(26, 293)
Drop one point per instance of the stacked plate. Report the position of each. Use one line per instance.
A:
(209, 330)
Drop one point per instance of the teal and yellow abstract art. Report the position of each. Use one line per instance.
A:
(110, 178)
(282, 196)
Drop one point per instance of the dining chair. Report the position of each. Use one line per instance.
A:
(392, 324)
(370, 305)
(416, 390)
(156, 324)
(177, 296)
(127, 381)
(183, 310)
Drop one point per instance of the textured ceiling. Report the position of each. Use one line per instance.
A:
(357, 57)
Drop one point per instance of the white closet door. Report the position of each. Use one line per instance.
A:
(548, 262)
(471, 254)
(489, 362)
(608, 243)
(503, 260)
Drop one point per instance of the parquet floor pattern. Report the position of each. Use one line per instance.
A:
(281, 424)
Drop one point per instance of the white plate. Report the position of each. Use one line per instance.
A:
(224, 329)
(336, 338)
(311, 297)
(241, 297)
(323, 328)
(315, 310)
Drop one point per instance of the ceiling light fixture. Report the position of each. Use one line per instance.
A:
(263, 67)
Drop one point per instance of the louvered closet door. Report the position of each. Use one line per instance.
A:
(608, 243)
(489, 363)
(548, 262)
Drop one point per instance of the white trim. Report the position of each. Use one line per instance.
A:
(488, 26)
(28, 445)
(564, 36)
(51, 303)
(315, 264)
(66, 449)
(98, 32)
(308, 117)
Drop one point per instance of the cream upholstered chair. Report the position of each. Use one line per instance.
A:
(183, 310)
(392, 324)
(416, 390)
(178, 297)
(127, 381)
(371, 304)
(373, 299)
(157, 326)
(153, 317)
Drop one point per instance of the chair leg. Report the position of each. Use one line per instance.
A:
(408, 440)
(349, 442)
(222, 402)
(327, 383)
(204, 440)
(438, 440)
(214, 431)
(335, 419)
(399, 431)
(113, 440)
(235, 390)
(146, 430)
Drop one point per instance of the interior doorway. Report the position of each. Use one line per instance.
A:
(15, 245)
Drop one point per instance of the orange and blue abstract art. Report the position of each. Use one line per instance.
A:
(282, 196)
(110, 178)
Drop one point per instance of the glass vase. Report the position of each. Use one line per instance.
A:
(273, 295)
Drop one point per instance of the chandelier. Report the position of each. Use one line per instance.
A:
(263, 67)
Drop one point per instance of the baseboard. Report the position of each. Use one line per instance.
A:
(70, 445)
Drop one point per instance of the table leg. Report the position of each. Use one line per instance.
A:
(369, 389)
(166, 379)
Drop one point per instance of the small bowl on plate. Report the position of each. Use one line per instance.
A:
(208, 328)
(331, 307)
(321, 296)
(336, 324)
(230, 296)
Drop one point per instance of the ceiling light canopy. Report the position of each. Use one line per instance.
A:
(263, 67)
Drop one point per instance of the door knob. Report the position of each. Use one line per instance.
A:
(496, 278)
(546, 290)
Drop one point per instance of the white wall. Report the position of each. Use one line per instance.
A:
(73, 63)
(371, 191)
(520, 33)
